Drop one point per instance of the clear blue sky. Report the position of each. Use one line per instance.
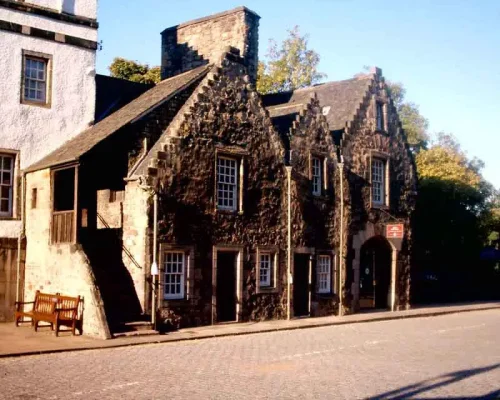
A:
(445, 52)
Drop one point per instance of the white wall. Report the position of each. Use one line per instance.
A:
(48, 24)
(60, 268)
(36, 131)
(84, 8)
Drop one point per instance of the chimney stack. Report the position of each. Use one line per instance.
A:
(203, 41)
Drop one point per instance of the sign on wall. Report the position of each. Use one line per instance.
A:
(395, 231)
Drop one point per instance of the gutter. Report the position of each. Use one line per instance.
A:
(21, 236)
(289, 240)
(341, 244)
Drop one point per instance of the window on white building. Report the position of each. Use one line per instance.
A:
(174, 269)
(324, 274)
(227, 183)
(266, 269)
(35, 76)
(378, 182)
(380, 116)
(317, 175)
(6, 184)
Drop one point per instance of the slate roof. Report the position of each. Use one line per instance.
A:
(74, 148)
(113, 93)
(343, 98)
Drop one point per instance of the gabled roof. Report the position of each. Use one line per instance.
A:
(74, 148)
(342, 97)
(113, 93)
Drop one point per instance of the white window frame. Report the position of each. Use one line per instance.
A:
(378, 172)
(8, 184)
(224, 185)
(266, 263)
(272, 252)
(380, 117)
(181, 275)
(324, 274)
(317, 175)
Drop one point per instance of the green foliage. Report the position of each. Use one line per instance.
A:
(414, 124)
(134, 71)
(290, 66)
(454, 219)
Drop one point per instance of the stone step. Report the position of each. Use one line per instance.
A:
(134, 328)
(149, 332)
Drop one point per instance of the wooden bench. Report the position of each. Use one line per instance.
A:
(55, 309)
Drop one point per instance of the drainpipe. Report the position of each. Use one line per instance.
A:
(289, 240)
(154, 266)
(21, 237)
(341, 250)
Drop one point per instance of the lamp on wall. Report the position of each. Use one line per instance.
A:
(154, 269)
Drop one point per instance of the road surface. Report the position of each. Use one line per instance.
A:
(453, 356)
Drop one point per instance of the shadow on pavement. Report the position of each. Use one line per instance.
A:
(411, 391)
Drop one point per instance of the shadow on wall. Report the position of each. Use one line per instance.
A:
(411, 391)
(178, 57)
(68, 6)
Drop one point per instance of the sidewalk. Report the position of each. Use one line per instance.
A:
(22, 341)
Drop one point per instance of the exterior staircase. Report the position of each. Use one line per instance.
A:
(103, 248)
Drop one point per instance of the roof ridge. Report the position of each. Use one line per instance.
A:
(210, 17)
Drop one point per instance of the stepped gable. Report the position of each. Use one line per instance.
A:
(155, 158)
(342, 97)
(73, 149)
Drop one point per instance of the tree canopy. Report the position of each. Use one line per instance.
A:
(414, 124)
(134, 71)
(455, 218)
(289, 66)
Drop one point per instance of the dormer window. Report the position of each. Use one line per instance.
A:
(380, 116)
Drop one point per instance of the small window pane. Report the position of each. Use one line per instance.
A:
(227, 183)
(324, 274)
(378, 181)
(35, 79)
(265, 269)
(317, 176)
(6, 184)
(174, 275)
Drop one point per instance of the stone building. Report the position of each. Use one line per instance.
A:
(375, 183)
(42, 105)
(250, 207)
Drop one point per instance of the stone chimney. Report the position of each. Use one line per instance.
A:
(202, 41)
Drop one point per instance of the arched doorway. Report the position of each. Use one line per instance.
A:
(375, 273)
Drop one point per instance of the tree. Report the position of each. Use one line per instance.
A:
(453, 221)
(414, 124)
(290, 66)
(134, 71)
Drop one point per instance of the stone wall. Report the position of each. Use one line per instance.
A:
(361, 142)
(226, 118)
(203, 41)
(136, 239)
(313, 216)
(60, 268)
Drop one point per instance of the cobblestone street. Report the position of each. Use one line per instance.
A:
(453, 356)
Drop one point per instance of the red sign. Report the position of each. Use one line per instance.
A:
(395, 231)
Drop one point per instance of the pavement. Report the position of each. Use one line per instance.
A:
(454, 356)
(23, 341)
